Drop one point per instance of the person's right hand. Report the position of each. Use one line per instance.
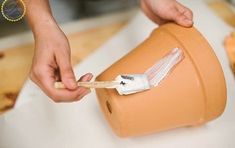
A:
(51, 63)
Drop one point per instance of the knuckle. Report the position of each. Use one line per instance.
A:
(78, 98)
(82, 95)
(75, 97)
(36, 72)
(34, 78)
(55, 98)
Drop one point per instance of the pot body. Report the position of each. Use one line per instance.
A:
(193, 93)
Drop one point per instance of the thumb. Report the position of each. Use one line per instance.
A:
(66, 72)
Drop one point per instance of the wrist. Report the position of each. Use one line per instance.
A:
(43, 26)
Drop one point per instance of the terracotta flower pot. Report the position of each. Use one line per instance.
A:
(193, 93)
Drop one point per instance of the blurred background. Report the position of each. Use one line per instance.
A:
(69, 10)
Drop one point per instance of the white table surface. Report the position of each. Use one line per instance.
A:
(37, 122)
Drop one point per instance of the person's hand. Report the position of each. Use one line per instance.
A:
(51, 63)
(163, 11)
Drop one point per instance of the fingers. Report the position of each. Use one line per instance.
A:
(150, 14)
(186, 11)
(66, 70)
(182, 15)
(162, 12)
(84, 91)
(44, 77)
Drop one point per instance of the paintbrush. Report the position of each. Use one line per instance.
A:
(132, 83)
(124, 84)
(95, 84)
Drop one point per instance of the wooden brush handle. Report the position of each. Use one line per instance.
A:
(95, 84)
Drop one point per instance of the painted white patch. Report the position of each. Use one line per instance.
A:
(133, 83)
(161, 69)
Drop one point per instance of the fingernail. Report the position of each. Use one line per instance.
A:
(87, 77)
(90, 77)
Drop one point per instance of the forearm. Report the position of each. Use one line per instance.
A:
(39, 16)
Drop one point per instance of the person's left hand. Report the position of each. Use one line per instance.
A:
(163, 11)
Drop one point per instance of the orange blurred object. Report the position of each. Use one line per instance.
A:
(192, 94)
(229, 44)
